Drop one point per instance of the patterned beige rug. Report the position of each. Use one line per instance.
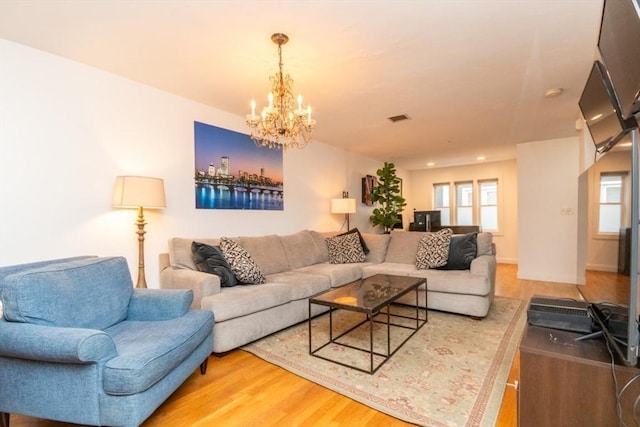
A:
(451, 373)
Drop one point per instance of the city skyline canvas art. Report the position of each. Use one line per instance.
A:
(232, 172)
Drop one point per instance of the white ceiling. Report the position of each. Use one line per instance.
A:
(471, 74)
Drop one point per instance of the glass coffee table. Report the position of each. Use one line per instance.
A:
(372, 297)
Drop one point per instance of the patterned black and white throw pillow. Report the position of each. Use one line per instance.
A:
(242, 264)
(433, 249)
(345, 249)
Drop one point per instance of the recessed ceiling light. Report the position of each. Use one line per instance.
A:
(481, 158)
(552, 93)
(431, 164)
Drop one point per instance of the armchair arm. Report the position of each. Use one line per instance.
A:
(54, 344)
(202, 284)
(159, 304)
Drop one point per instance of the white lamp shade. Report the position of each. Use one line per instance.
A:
(343, 206)
(136, 191)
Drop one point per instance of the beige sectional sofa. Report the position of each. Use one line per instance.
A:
(297, 266)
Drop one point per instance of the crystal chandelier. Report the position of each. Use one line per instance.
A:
(282, 124)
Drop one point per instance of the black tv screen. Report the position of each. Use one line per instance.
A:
(601, 112)
(619, 45)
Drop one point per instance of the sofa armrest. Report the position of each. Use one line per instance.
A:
(202, 284)
(54, 344)
(159, 304)
(485, 265)
(482, 265)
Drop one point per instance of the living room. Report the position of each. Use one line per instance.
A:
(79, 127)
(68, 129)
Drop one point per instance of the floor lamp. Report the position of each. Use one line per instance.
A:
(139, 192)
(344, 206)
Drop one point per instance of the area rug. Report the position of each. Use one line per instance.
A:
(452, 372)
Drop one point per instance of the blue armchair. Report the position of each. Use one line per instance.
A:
(79, 344)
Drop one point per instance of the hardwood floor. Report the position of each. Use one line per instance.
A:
(241, 390)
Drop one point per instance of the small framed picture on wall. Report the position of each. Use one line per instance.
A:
(369, 182)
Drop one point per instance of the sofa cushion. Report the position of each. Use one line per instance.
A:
(377, 244)
(301, 249)
(462, 250)
(267, 252)
(209, 259)
(485, 244)
(242, 264)
(91, 293)
(455, 281)
(433, 249)
(240, 301)
(148, 351)
(338, 274)
(301, 284)
(180, 255)
(397, 268)
(320, 239)
(345, 249)
(403, 246)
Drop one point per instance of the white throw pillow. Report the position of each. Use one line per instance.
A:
(242, 264)
(433, 249)
(345, 249)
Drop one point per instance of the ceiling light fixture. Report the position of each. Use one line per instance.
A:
(281, 124)
(552, 93)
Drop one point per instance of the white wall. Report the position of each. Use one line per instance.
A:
(67, 130)
(548, 187)
(506, 239)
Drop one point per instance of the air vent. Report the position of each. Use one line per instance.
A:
(399, 118)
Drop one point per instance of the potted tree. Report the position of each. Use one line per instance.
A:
(387, 194)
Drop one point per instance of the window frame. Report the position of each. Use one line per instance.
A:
(440, 208)
(624, 177)
(496, 205)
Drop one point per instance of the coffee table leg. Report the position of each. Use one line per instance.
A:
(310, 348)
(370, 342)
(330, 324)
(388, 331)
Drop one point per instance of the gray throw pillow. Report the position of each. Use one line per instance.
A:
(462, 250)
(433, 249)
(242, 264)
(209, 259)
(345, 249)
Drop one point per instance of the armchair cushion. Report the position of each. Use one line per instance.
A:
(148, 351)
(159, 304)
(56, 294)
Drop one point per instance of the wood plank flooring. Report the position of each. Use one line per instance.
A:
(241, 390)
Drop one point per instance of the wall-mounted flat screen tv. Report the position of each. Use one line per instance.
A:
(619, 45)
(601, 112)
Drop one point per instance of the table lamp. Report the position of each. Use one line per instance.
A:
(344, 206)
(139, 192)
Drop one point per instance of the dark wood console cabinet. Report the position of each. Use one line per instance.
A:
(567, 383)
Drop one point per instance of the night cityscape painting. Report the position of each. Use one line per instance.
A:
(231, 172)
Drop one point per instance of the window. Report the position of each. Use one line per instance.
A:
(464, 203)
(441, 202)
(489, 205)
(610, 209)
